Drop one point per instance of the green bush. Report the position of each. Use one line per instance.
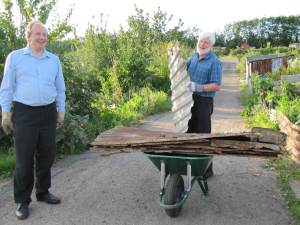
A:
(7, 161)
(143, 103)
(260, 118)
(73, 136)
(287, 101)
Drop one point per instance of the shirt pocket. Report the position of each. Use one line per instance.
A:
(48, 74)
(203, 71)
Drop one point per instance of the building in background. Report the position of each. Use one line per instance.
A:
(265, 64)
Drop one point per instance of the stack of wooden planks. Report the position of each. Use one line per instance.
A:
(259, 142)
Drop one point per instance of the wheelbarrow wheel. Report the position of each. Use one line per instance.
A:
(173, 191)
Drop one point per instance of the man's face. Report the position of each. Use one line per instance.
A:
(204, 46)
(38, 37)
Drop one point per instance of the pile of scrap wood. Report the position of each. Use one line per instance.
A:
(259, 142)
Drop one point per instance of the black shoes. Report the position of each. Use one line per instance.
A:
(22, 211)
(48, 198)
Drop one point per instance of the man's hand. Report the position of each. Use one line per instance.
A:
(60, 119)
(6, 122)
(192, 87)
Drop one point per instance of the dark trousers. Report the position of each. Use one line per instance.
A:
(202, 110)
(200, 121)
(34, 136)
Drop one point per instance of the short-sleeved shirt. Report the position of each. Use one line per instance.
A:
(205, 71)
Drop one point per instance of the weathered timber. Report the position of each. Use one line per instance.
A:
(243, 144)
(269, 136)
(255, 143)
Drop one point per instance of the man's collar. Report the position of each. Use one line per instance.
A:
(207, 55)
(28, 51)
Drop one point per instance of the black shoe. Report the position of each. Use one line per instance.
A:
(22, 211)
(48, 198)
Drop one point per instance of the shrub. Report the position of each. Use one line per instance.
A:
(72, 137)
(143, 103)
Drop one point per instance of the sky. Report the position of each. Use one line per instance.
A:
(208, 15)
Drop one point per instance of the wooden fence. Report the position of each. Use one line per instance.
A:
(182, 100)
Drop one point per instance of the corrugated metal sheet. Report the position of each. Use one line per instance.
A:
(262, 66)
(276, 64)
(261, 57)
(182, 100)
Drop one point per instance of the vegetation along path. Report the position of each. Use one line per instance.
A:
(123, 189)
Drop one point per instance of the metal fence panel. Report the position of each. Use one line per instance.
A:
(182, 100)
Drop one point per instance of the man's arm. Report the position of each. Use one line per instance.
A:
(7, 85)
(211, 87)
(215, 78)
(60, 88)
(6, 95)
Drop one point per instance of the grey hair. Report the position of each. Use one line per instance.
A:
(29, 28)
(208, 35)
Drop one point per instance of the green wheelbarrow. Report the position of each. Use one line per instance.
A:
(173, 195)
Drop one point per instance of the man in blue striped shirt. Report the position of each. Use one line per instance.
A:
(32, 98)
(205, 71)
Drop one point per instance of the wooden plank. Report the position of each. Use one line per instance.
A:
(142, 140)
(215, 151)
(243, 144)
(269, 136)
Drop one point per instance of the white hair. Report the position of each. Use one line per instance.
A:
(208, 35)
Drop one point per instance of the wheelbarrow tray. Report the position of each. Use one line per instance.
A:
(176, 163)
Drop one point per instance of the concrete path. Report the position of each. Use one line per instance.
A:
(123, 189)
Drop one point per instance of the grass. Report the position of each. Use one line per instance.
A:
(288, 171)
(7, 162)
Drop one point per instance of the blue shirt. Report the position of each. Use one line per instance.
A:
(32, 81)
(205, 71)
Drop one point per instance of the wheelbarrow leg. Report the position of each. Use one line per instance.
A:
(203, 185)
(209, 172)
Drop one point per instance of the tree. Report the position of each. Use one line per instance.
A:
(279, 31)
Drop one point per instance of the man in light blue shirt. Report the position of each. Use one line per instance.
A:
(32, 98)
